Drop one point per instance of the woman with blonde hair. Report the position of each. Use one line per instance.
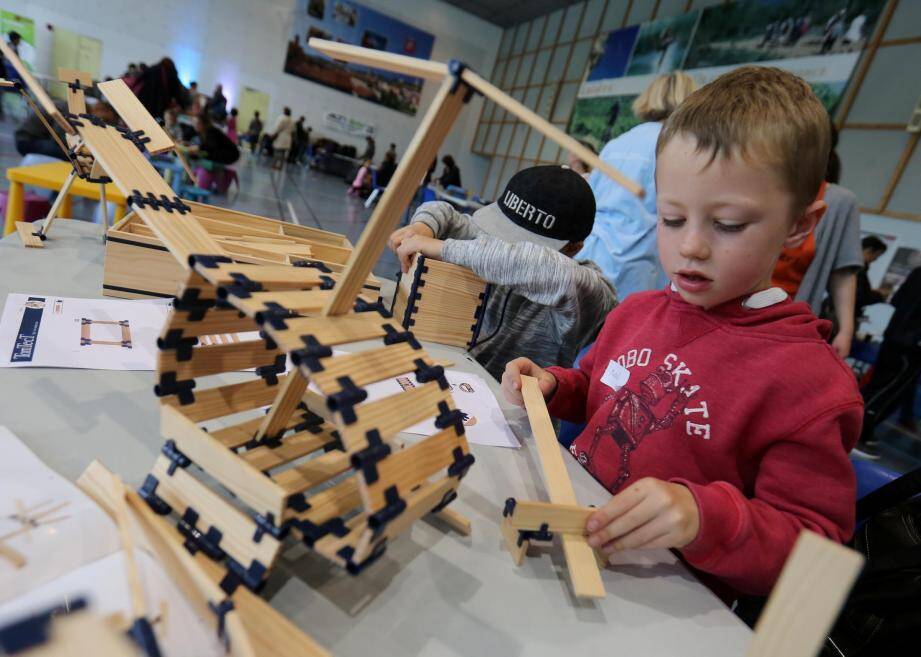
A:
(623, 240)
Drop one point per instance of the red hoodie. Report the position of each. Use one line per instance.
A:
(748, 408)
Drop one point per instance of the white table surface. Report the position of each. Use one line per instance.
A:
(433, 592)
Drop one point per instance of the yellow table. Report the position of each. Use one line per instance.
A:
(52, 176)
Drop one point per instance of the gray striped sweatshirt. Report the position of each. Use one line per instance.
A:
(553, 305)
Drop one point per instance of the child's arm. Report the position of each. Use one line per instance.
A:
(539, 274)
(565, 390)
(804, 482)
(445, 221)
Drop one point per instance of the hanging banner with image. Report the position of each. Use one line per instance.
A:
(350, 126)
(25, 28)
(349, 22)
(819, 40)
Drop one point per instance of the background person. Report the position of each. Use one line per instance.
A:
(623, 240)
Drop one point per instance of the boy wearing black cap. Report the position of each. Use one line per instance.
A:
(547, 305)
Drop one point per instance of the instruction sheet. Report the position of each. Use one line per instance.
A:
(38, 330)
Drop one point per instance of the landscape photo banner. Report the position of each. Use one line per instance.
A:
(349, 22)
(819, 40)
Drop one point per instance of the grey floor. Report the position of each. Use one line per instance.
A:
(315, 199)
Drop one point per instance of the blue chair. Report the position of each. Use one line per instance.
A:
(376, 190)
(569, 431)
(870, 476)
(428, 194)
(196, 194)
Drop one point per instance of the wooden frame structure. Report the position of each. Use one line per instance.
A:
(523, 522)
(86, 338)
(441, 302)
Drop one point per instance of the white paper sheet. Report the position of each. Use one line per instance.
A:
(53, 540)
(484, 422)
(38, 330)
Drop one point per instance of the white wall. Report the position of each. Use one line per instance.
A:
(242, 43)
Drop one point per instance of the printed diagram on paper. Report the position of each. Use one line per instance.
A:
(483, 420)
(104, 334)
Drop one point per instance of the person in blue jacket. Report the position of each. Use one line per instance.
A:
(623, 240)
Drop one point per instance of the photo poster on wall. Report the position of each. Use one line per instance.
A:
(25, 27)
(819, 40)
(352, 23)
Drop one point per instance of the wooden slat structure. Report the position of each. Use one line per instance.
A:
(136, 116)
(538, 521)
(441, 302)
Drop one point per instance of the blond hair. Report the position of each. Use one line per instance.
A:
(663, 95)
(765, 115)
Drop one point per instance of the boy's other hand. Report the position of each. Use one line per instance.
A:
(400, 234)
(842, 343)
(647, 514)
(511, 380)
(410, 246)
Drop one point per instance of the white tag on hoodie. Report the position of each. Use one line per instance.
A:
(615, 375)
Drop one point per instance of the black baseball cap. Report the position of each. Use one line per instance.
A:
(547, 205)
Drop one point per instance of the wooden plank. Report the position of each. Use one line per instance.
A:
(235, 474)
(181, 490)
(313, 472)
(200, 590)
(410, 467)
(37, 90)
(70, 634)
(299, 301)
(287, 398)
(333, 502)
(216, 359)
(225, 400)
(580, 558)
(271, 277)
(405, 182)
(541, 125)
(215, 321)
(136, 116)
(254, 628)
(292, 448)
(366, 367)
(392, 414)
(239, 434)
(418, 503)
(420, 68)
(562, 518)
(26, 232)
(811, 590)
(331, 331)
(73, 74)
(253, 221)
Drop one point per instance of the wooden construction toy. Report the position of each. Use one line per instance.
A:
(280, 453)
(441, 302)
(138, 266)
(86, 338)
(526, 521)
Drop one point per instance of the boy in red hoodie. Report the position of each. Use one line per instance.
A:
(716, 413)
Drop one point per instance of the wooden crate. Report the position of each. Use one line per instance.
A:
(441, 302)
(138, 266)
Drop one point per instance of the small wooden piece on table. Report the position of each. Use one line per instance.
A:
(811, 590)
(563, 512)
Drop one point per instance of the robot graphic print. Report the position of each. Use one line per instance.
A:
(632, 412)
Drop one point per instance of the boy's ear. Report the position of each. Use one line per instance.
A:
(805, 224)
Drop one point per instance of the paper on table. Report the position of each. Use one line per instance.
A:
(484, 422)
(100, 334)
(38, 330)
(53, 524)
(105, 587)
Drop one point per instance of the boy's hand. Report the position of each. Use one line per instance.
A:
(648, 514)
(511, 380)
(400, 234)
(410, 246)
(842, 343)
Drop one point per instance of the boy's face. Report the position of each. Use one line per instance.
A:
(721, 227)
